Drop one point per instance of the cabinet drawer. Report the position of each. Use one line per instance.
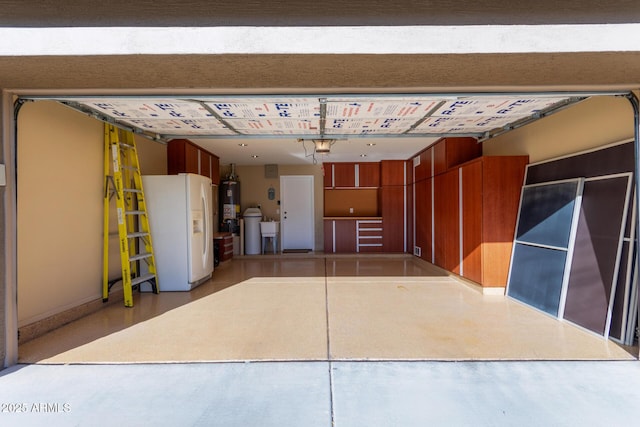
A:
(369, 235)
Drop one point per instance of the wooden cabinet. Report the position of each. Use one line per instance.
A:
(183, 156)
(423, 244)
(368, 174)
(340, 236)
(369, 235)
(422, 165)
(224, 243)
(450, 152)
(393, 211)
(446, 218)
(343, 175)
(490, 194)
(204, 162)
(445, 154)
(361, 235)
(392, 172)
(352, 175)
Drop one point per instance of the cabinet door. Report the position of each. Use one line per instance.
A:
(423, 169)
(191, 155)
(392, 172)
(344, 175)
(339, 236)
(423, 218)
(471, 187)
(447, 221)
(450, 152)
(328, 236)
(369, 174)
(327, 171)
(205, 163)
(393, 218)
(215, 169)
(345, 236)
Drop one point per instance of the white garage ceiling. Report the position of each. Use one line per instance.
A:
(281, 129)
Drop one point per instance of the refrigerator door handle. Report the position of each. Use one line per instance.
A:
(207, 239)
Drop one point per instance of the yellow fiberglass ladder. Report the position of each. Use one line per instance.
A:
(122, 178)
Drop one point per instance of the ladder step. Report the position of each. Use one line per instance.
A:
(135, 212)
(130, 168)
(132, 190)
(138, 257)
(138, 280)
(122, 144)
(136, 235)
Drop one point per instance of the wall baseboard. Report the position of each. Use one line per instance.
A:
(34, 330)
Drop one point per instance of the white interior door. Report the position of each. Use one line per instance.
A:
(296, 212)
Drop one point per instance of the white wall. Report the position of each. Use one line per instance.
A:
(60, 214)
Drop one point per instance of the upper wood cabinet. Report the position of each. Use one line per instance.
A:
(422, 165)
(445, 154)
(450, 152)
(368, 174)
(183, 156)
(352, 175)
(392, 172)
(344, 175)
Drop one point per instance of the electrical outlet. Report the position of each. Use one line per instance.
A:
(350, 210)
(417, 250)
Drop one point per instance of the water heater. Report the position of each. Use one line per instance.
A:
(230, 206)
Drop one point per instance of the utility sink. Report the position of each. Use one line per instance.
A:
(269, 228)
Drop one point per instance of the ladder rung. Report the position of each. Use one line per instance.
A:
(140, 256)
(132, 190)
(135, 212)
(136, 235)
(138, 280)
(122, 144)
(130, 168)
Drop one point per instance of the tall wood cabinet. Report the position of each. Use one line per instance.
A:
(183, 156)
(446, 221)
(490, 195)
(474, 216)
(393, 205)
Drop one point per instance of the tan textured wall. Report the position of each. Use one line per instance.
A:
(60, 175)
(254, 191)
(592, 123)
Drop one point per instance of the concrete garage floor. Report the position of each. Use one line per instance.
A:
(304, 341)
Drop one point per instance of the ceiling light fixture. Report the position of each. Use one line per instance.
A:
(255, 156)
(371, 144)
(242, 144)
(320, 146)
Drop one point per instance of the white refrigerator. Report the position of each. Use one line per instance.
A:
(180, 219)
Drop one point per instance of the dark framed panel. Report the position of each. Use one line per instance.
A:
(594, 270)
(543, 244)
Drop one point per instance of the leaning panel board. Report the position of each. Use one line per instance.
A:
(543, 244)
(595, 265)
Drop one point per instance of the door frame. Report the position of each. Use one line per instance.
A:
(311, 209)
